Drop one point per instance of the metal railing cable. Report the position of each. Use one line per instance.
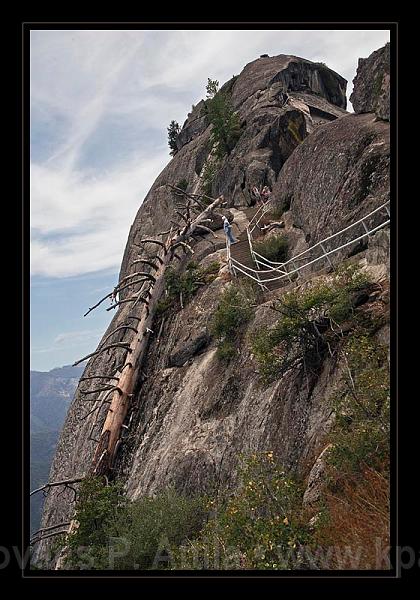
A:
(266, 267)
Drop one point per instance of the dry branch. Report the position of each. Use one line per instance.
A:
(147, 241)
(146, 261)
(98, 377)
(115, 345)
(119, 329)
(51, 484)
(110, 295)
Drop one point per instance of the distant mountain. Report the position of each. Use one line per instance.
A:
(51, 394)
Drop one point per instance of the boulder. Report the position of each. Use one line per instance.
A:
(338, 174)
(187, 348)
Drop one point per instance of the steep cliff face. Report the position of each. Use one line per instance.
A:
(193, 414)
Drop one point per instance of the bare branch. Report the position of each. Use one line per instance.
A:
(51, 527)
(134, 299)
(122, 366)
(102, 389)
(98, 377)
(183, 217)
(150, 241)
(119, 329)
(44, 537)
(267, 228)
(117, 290)
(51, 484)
(143, 273)
(145, 261)
(127, 277)
(100, 302)
(165, 232)
(115, 345)
(184, 246)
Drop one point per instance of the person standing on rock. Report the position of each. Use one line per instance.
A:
(228, 230)
(266, 193)
(256, 193)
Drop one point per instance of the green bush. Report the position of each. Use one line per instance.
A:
(361, 433)
(182, 185)
(234, 310)
(226, 350)
(224, 120)
(276, 213)
(96, 508)
(146, 530)
(303, 332)
(273, 248)
(260, 526)
(186, 284)
(210, 170)
(116, 534)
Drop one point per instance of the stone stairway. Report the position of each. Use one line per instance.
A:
(241, 252)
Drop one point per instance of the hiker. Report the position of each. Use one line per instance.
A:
(266, 193)
(228, 230)
(257, 194)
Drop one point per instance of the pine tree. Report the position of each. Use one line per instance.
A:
(226, 127)
(173, 131)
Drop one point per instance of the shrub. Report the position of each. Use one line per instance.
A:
(357, 518)
(224, 120)
(361, 433)
(260, 526)
(183, 185)
(183, 286)
(234, 309)
(97, 506)
(146, 530)
(173, 131)
(273, 248)
(303, 332)
(209, 174)
(275, 214)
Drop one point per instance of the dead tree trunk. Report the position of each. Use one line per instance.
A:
(105, 452)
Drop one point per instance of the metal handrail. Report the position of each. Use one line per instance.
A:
(327, 239)
(237, 266)
(263, 209)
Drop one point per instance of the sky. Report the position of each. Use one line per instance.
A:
(100, 105)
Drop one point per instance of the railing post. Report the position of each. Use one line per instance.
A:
(365, 227)
(326, 256)
(287, 273)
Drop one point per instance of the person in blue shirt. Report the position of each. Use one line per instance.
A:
(228, 230)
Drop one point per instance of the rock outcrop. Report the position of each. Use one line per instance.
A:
(337, 174)
(371, 91)
(280, 101)
(192, 414)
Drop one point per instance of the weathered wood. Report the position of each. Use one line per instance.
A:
(104, 456)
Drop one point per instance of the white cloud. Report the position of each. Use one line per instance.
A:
(80, 224)
(71, 338)
(122, 88)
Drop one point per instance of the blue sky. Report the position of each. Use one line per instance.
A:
(100, 105)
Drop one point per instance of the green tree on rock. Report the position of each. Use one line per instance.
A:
(173, 131)
(225, 121)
